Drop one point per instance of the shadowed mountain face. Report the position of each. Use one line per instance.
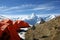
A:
(47, 31)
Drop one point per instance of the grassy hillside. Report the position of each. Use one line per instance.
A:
(46, 31)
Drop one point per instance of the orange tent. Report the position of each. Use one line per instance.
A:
(10, 29)
(20, 24)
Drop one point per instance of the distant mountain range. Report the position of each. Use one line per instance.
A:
(31, 19)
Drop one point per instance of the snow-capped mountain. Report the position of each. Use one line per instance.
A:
(34, 19)
(31, 19)
(49, 17)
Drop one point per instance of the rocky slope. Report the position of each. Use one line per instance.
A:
(46, 31)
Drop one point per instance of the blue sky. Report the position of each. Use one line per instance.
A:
(26, 7)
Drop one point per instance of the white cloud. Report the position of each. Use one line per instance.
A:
(25, 7)
(43, 7)
(33, 7)
(11, 8)
(19, 7)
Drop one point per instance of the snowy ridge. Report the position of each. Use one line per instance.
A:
(31, 19)
(49, 17)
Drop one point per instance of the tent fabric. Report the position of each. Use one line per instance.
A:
(2, 27)
(8, 29)
(20, 24)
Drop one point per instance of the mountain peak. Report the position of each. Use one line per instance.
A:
(33, 15)
(49, 17)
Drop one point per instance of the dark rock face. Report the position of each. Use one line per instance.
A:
(47, 31)
(42, 21)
